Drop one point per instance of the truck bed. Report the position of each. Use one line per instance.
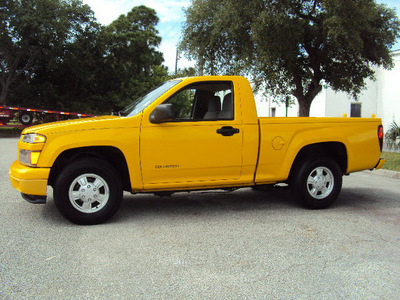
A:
(281, 139)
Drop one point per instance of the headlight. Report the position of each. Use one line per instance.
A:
(29, 158)
(33, 138)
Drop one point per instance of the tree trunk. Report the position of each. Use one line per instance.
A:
(304, 107)
(201, 66)
(4, 92)
(3, 96)
(7, 79)
(306, 100)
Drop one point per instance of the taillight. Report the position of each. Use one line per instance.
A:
(380, 136)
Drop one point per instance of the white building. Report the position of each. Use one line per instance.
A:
(381, 97)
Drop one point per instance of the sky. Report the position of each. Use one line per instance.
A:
(171, 15)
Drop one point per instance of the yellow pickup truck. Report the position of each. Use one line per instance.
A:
(190, 134)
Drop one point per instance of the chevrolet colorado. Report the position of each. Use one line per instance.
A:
(190, 134)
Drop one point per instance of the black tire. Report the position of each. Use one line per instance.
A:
(25, 118)
(88, 192)
(316, 182)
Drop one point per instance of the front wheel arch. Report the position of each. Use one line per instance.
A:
(110, 154)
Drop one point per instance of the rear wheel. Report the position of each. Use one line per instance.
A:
(26, 118)
(88, 192)
(316, 183)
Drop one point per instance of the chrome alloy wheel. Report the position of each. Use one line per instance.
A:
(89, 193)
(320, 183)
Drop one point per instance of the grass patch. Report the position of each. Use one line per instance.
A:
(392, 161)
(10, 131)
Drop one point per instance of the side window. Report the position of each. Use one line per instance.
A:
(183, 103)
(204, 101)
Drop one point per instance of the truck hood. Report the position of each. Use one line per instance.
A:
(103, 122)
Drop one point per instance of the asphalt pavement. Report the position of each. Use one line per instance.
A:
(206, 245)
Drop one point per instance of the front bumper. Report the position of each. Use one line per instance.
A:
(27, 180)
(380, 164)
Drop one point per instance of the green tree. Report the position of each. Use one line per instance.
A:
(34, 35)
(185, 72)
(66, 60)
(292, 46)
(66, 79)
(130, 54)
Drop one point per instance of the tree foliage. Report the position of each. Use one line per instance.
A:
(185, 72)
(292, 46)
(34, 33)
(130, 52)
(55, 55)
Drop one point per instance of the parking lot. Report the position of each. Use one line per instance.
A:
(244, 244)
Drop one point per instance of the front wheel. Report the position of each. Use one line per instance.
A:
(88, 192)
(316, 183)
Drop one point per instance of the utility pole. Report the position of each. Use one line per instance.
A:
(287, 105)
(176, 61)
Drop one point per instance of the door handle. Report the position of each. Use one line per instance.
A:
(228, 130)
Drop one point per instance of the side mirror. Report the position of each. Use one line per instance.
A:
(162, 113)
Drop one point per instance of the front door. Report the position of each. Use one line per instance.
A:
(202, 145)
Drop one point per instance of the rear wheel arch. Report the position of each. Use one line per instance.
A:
(109, 154)
(333, 150)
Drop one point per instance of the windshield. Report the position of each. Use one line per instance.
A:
(141, 103)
